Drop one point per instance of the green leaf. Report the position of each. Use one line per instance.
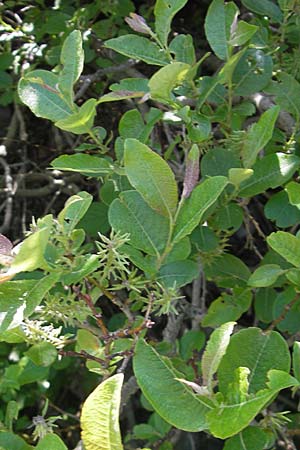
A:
(130, 84)
(42, 354)
(293, 275)
(131, 214)
(72, 59)
(214, 352)
(31, 373)
(191, 340)
(82, 120)
(236, 175)
(18, 299)
(11, 414)
(293, 191)
(227, 307)
(95, 220)
(178, 273)
(172, 400)
(287, 93)
(228, 217)
(13, 336)
(296, 360)
(287, 245)
(164, 12)
(265, 275)
(248, 439)
(88, 165)
(258, 136)
(90, 264)
(228, 271)
(226, 72)
(162, 83)
(279, 379)
(139, 260)
(202, 197)
(99, 416)
(75, 208)
(6, 80)
(204, 239)
(288, 299)
(269, 172)
(145, 431)
(131, 124)
(264, 8)
(218, 162)
(229, 419)
(199, 128)
(264, 302)
(243, 33)
(31, 253)
(252, 72)
(210, 89)
(180, 251)
(138, 47)
(260, 353)
(280, 209)
(38, 90)
(183, 48)
(9, 441)
(87, 341)
(238, 390)
(51, 441)
(215, 28)
(151, 176)
(33, 296)
(116, 96)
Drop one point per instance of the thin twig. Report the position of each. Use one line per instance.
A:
(129, 389)
(84, 355)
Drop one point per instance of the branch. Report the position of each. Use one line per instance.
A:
(263, 102)
(9, 196)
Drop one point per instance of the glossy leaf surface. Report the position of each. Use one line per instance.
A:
(201, 198)
(269, 172)
(162, 83)
(215, 28)
(138, 47)
(38, 90)
(158, 187)
(214, 352)
(287, 245)
(91, 166)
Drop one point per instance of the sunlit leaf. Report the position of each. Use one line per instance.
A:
(100, 416)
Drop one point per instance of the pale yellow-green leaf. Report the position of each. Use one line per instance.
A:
(100, 416)
(215, 350)
(162, 83)
(80, 122)
(31, 254)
